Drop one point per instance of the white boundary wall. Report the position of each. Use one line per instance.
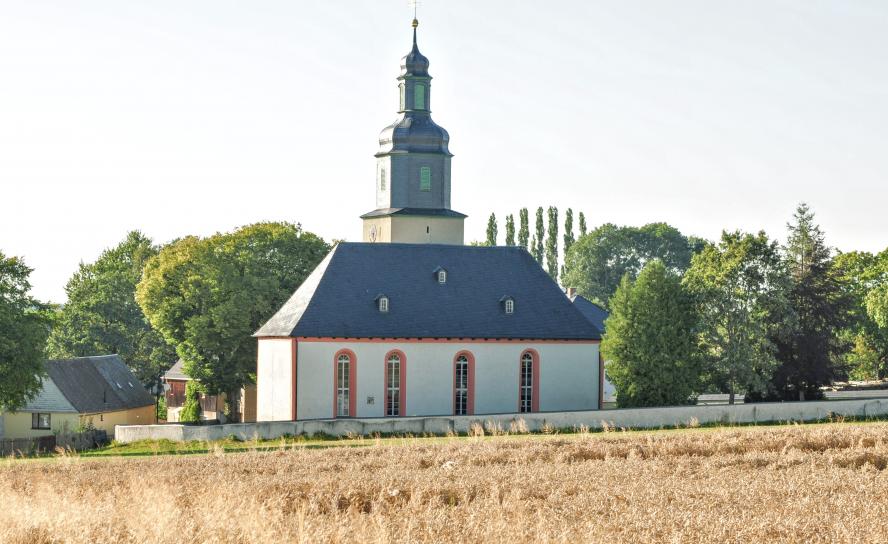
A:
(636, 418)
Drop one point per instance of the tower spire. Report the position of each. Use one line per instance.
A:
(413, 167)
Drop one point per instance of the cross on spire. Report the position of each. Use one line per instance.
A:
(414, 4)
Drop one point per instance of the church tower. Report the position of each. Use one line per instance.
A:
(413, 168)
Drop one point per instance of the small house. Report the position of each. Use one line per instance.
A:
(99, 392)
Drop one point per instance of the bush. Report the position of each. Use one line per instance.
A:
(191, 408)
(161, 408)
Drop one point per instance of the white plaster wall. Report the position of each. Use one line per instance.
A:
(274, 377)
(568, 377)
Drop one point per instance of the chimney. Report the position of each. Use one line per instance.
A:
(571, 292)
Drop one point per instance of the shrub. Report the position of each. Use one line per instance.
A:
(191, 408)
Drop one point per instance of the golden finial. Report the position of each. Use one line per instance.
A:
(414, 4)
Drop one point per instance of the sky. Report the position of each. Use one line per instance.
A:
(196, 117)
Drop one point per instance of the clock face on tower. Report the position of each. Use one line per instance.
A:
(373, 233)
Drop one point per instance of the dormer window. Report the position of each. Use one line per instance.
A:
(441, 275)
(508, 305)
(383, 303)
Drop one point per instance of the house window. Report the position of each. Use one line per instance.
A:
(425, 179)
(525, 403)
(419, 97)
(461, 386)
(442, 277)
(383, 304)
(343, 382)
(41, 421)
(382, 179)
(510, 306)
(393, 385)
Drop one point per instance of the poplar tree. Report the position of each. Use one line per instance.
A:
(582, 224)
(537, 245)
(568, 230)
(552, 243)
(524, 228)
(491, 230)
(510, 230)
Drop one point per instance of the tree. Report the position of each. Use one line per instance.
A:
(537, 246)
(491, 230)
(510, 230)
(24, 326)
(569, 238)
(860, 275)
(740, 288)
(208, 295)
(552, 244)
(810, 351)
(524, 230)
(101, 315)
(650, 343)
(597, 261)
(582, 224)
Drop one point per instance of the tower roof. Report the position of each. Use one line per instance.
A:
(414, 131)
(415, 63)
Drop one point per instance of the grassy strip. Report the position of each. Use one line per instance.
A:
(233, 445)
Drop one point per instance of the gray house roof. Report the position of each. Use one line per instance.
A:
(49, 399)
(338, 299)
(98, 384)
(593, 312)
(176, 372)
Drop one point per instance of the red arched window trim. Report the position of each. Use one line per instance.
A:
(470, 401)
(352, 381)
(535, 377)
(403, 381)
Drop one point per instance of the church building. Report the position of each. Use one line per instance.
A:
(412, 322)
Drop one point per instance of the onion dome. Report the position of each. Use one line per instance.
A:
(415, 63)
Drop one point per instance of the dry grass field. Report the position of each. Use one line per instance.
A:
(823, 483)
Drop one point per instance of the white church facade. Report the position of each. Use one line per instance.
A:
(411, 322)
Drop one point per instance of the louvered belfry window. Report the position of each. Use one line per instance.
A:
(425, 179)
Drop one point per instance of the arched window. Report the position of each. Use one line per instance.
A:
(464, 384)
(528, 385)
(343, 368)
(344, 377)
(393, 385)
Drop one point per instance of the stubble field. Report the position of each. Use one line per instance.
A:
(821, 483)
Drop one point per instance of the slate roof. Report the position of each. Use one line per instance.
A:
(49, 399)
(338, 297)
(593, 312)
(425, 212)
(176, 372)
(98, 384)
